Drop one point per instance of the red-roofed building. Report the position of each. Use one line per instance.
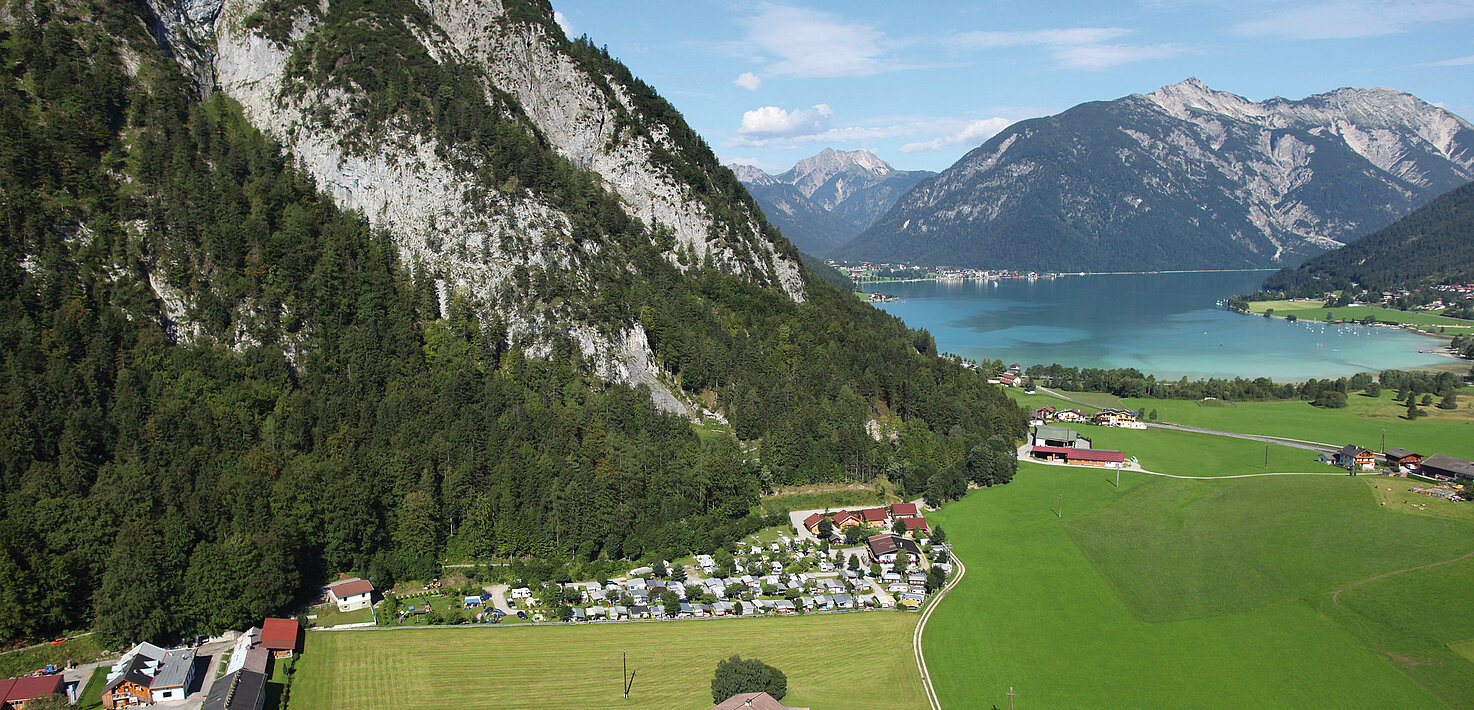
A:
(845, 519)
(351, 594)
(280, 636)
(15, 693)
(1085, 457)
(903, 510)
(914, 526)
(811, 523)
(873, 516)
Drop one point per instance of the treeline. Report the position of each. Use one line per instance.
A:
(1130, 382)
(314, 411)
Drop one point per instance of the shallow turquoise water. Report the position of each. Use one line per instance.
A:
(1165, 324)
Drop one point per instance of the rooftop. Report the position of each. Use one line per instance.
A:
(281, 634)
(351, 588)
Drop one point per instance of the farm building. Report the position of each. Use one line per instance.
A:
(238, 690)
(351, 594)
(1082, 457)
(1402, 458)
(1061, 436)
(1008, 379)
(873, 516)
(752, 701)
(1355, 458)
(15, 693)
(914, 526)
(280, 636)
(1455, 468)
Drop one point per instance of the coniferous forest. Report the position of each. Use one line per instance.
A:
(316, 409)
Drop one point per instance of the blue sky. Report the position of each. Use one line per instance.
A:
(920, 84)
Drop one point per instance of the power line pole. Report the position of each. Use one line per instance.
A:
(1061, 513)
(1010, 697)
(1266, 457)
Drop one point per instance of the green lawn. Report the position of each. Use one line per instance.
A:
(91, 698)
(80, 650)
(833, 499)
(1361, 422)
(1190, 454)
(849, 660)
(1313, 310)
(1038, 613)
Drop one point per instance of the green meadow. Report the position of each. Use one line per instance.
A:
(1203, 594)
(860, 660)
(1313, 310)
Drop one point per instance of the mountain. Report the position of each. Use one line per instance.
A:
(1185, 177)
(298, 288)
(1433, 245)
(827, 199)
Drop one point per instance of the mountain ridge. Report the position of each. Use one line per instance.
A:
(1182, 177)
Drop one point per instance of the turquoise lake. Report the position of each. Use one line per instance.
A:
(1169, 325)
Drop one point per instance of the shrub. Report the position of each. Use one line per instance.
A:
(734, 676)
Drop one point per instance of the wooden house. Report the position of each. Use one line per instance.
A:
(1355, 458)
(1402, 458)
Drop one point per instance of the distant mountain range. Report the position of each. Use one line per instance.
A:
(1183, 177)
(1433, 245)
(827, 199)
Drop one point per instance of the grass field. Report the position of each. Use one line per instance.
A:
(1063, 624)
(1361, 422)
(843, 660)
(1189, 454)
(83, 649)
(835, 499)
(1312, 310)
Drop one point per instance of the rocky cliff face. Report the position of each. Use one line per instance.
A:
(1183, 177)
(485, 241)
(828, 198)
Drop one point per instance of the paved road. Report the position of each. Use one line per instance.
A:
(931, 693)
(498, 594)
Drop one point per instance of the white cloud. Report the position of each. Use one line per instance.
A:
(563, 22)
(770, 122)
(1080, 48)
(1346, 19)
(749, 81)
(812, 44)
(975, 132)
(1454, 62)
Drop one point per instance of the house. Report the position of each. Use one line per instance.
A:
(1448, 467)
(845, 519)
(16, 693)
(914, 526)
(785, 606)
(1009, 379)
(238, 690)
(752, 701)
(1400, 459)
(1060, 436)
(279, 636)
(148, 674)
(843, 601)
(1355, 458)
(873, 517)
(351, 594)
(883, 548)
(811, 523)
(903, 510)
(1073, 416)
(1079, 457)
(1044, 413)
(1117, 417)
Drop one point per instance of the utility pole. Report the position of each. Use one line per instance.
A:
(624, 676)
(1118, 474)
(1384, 441)
(1266, 457)
(1061, 512)
(1010, 697)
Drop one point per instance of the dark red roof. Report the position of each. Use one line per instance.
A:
(1082, 454)
(872, 514)
(915, 523)
(903, 509)
(343, 590)
(812, 520)
(280, 634)
(14, 690)
(844, 515)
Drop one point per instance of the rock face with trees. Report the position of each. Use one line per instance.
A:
(229, 374)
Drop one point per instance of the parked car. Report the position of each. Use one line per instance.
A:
(521, 614)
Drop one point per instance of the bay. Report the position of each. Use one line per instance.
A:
(1166, 324)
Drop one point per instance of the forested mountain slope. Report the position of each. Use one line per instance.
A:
(1184, 177)
(1433, 245)
(383, 310)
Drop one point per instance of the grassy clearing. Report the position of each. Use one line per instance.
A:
(1361, 422)
(1249, 543)
(1313, 310)
(91, 697)
(83, 649)
(1036, 613)
(835, 498)
(1189, 454)
(854, 660)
